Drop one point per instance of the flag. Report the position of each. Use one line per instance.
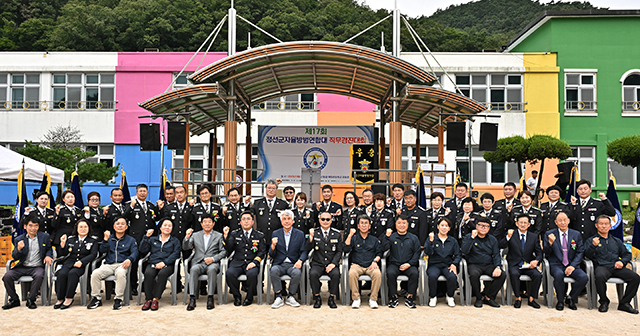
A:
(422, 197)
(458, 180)
(635, 242)
(573, 178)
(522, 186)
(21, 204)
(126, 196)
(164, 183)
(75, 187)
(46, 187)
(617, 228)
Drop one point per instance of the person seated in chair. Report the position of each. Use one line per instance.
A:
(444, 259)
(80, 249)
(121, 251)
(564, 258)
(165, 250)
(327, 247)
(523, 258)
(288, 252)
(32, 251)
(208, 249)
(404, 256)
(366, 252)
(610, 258)
(483, 258)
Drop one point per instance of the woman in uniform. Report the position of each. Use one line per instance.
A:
(526, 207)
(78, 250)
(303, 220)
(95, 215)
(66, 217)
(351, 211)
(382, 218)
(444, 257)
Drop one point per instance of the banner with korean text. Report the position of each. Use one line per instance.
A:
(284, 150)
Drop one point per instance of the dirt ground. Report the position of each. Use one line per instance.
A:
(255, 319)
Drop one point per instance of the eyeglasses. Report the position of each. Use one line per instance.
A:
(325, 219)
(482, 225)
(95, 199)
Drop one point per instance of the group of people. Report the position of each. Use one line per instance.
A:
(291, 231)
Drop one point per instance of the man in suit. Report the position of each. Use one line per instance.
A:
(115, 209)
(208, 251)
(249, 248)
(509, 201)
(564, 258)
(523, 258)
(327, 205)
(552, 208)
(32, 251)
(42, 211)
(267, 210)
(587, 209)
(326, 247)
(288, 252)
(232, 210)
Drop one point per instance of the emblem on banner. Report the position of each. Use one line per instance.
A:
(315, 157)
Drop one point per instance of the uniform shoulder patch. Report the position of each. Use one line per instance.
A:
(334, 229)
(421, 208)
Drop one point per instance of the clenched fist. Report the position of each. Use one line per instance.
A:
(105, 210)
(552, 238)
(389, 231)
(596, 241)
(311, 232)
(352, 232)
(63, 240)
(510, 233)
(474, 233)
(188, 233)
(149, 232)
(431, 236)
(225, 231)
(133, 203)
(107, 234)
(20, 245)
(160, 204)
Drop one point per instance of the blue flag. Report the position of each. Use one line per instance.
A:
(617, 228)
(422, 197)
(21, 204)
(635, 242)
(126, 196)
(46, 187)
(75, 187)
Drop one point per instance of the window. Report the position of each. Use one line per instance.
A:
(296, 102)
(198, 158)
(485, 172)
(181, 81)
(631, 93)
(499, 92)
(78, 91)
(585, 158)
(580, 91)
(104, 153)
(20, 91)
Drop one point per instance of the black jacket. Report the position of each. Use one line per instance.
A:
(550, 214)
(333, 207)
(350, 218)
(536, 217)
(253, 250)
(532, 249)
(496, 220)
(325, 251)
(434, 219)
(65, 221)
(443, 254)
(501, 205)
(608, 252)
(481, 250)
(167, 253)
(232, 217)
(74, 250)
(139, 220)
(364, 251)
(417, 220)
(198, 210)
(403, 249)
(381, 221)
(584, 218)
(46, 221)
(114, 213)
(182, 220)
(268, 220)
(97, 222)
(303, 220)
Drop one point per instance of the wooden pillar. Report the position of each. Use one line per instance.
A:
(230, 153)
(395, 150)
(249, 152)
(213, 155)
(440, 144)
(185, 163)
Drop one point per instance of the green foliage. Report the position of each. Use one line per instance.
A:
(547, 147)
(510, 149)
(66, 159)
(625, 151)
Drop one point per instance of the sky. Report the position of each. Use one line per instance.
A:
(416, 8)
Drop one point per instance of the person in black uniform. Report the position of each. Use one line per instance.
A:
(115, 209)
(367, 202)
(587, 209)
(303, 219)
(552, 207)
(535, 215)
(351, 211)
(325, 251)
(416, 216)
(250, 248)
(142, 216)
(78, 250)
(66, 217)
(95, 215)
(404, 254)
(482, 253)
(525, 253)
(179, 212)
(444, 259)
(436, 212)
(232, 210)
(289, 192)
(205, 206)
(327, 205)
(382, 218)
(45, 214)
(455, 204)
(509, 201)
(267, 210)
(169, 195)
(464, 221)
(397, 191)
(494, 216)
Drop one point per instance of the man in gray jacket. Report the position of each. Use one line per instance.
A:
(208, 250)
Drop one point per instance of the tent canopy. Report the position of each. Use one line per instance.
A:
(11, 163)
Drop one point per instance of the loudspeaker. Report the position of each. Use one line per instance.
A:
(456, 134)
(488, 137)
(177, 135)
(150, 137)
(564, 172)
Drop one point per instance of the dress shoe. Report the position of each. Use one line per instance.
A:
(478, 303)
(117, 304)
(491, 302)
(560, 305)
(331, 302)
(318, 302)
(534, 304)
(247, 301)
(517, 304)
(31, 304)
(63, 307)
(94, 303)
(210, 304)
(134, 292)
(237, 301)
(192, 304)
(146, 305)
(626, 307)
(604, 307)
(154, 305)
(57, 305)
(571, 304)
(11, 304)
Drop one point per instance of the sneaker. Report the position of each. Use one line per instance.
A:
(95, 303)
(451, 302)
(393, 302)
(373, 304)
(279, 302)
(355, 304)
(292, 301)
(433, 301)
(409, 303)
(117, 304)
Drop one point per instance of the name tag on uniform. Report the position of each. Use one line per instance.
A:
(333, 241)
(414, 217)
(592, 209)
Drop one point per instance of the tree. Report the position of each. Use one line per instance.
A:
(625, 151)
(542, 147)
(510, 149)
(65, 137)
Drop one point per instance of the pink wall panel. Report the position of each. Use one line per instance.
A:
(337, 103)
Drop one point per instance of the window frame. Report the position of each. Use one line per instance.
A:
(488, 87)
(589, 108)
(83, 104)
(24, 104)
(630, 107)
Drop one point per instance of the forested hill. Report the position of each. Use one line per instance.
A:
(182, 25)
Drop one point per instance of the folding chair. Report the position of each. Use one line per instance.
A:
(347, 290)
(53, 278)
(442, 278)
(525, 278)
(301, 289)
(202, 277)
(109, 282)
(421, 270)
(568, 280)
(483, 278)
(25, 280)
(173, 279)
(613, 280)
(225, 264)
(307, 268)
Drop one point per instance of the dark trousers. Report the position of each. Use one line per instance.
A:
(603, 274)
(9, 279)
(67, 281)
(153, 288)
(581, 278)
(433, 272)
(316, 271)
(133, 276)
(490, 291)
(533, 273)
(392, 279)
(233, 272)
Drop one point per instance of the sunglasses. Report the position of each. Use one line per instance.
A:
(325, 219)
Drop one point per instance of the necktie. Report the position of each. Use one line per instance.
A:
(237, 207)
(43, 213)
(246, 235)
(181, 206)
(144, 206)
(584, 202)
(522, 241)
(270, 205)
(325, 235)
(565, 250)
(206, 208)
